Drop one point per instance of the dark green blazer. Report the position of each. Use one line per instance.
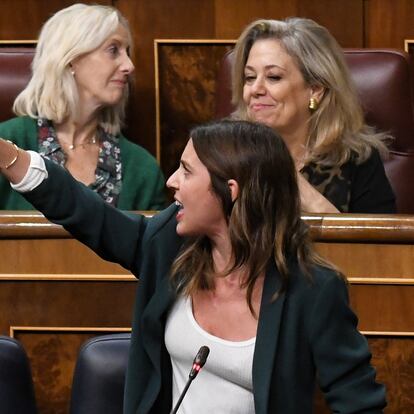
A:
(309, 332)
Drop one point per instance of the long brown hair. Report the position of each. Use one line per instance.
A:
(264, 221)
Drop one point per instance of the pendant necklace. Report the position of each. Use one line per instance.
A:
(91, 141)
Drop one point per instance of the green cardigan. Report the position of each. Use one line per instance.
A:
(143, 183)
(308, 332)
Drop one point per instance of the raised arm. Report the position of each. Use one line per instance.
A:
(114, 235)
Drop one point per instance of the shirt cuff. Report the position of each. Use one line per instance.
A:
(35, 174)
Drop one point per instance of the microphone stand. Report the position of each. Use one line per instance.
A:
(198, 363)
(174, 411)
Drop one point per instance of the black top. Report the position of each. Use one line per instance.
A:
(352, 187)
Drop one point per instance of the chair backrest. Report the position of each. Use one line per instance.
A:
(383, 79)
(16, 385)
(99, 378)
(15, 73)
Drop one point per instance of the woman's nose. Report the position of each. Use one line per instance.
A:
(172, 182)
(258, 86)
(127, 66)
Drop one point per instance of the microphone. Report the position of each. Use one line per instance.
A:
(198, 363)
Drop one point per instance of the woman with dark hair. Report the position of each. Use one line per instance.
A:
(230, 266)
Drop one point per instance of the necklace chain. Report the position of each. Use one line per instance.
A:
(72, 147)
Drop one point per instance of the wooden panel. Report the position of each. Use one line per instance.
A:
(385, 260)
(383, 308)
(394, 358)
(65, 303)
(186, 77)
(51, 256)
(394, 17)
(52, 361)
(22, 19)
(158, 19)
(233, 16)
(343, 18)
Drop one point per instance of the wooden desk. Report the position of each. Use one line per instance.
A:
(55, 294)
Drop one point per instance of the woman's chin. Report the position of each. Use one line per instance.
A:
(263, 120)
(180, 229)
(183, 231)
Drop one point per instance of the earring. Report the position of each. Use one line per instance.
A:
(313, 104)
(72, 72)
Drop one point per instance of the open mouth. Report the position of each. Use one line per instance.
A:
(180, 211)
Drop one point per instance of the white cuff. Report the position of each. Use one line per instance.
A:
(34, 176)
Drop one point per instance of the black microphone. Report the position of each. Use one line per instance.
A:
(198, 363)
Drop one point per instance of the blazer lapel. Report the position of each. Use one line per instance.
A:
(267, 339)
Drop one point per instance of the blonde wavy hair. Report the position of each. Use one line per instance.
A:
(52, 92)
(337, 129)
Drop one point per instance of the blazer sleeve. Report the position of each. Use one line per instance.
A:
(115, 235)
(341, 354)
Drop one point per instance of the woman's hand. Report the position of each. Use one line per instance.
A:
(312, 200)
(14, 162)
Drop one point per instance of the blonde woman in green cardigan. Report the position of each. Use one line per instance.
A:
(72, 110)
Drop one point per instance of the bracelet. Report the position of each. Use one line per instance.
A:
(13, 161)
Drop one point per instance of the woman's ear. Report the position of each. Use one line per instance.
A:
(234, 189)
(317, 92)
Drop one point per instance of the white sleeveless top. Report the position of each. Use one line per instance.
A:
(224, 385)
